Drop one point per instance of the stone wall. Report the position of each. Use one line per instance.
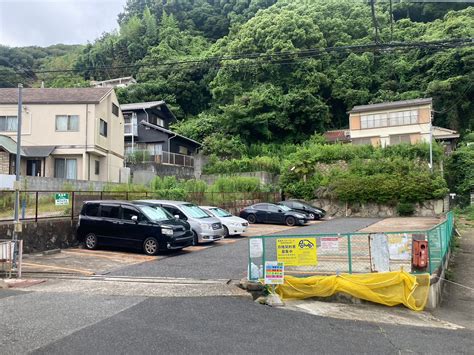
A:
(335, 208)
(43, 235)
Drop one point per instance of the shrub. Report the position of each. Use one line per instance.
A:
(405, 209)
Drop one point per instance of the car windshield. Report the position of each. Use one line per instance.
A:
(284, 208)
(219, 212)
(194, 211)
(155, 213)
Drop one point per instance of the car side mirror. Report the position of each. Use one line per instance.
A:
(135, 219)
(176, 216)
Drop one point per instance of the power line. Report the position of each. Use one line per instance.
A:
(315, 52)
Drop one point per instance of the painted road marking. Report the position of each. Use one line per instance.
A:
(81, 271)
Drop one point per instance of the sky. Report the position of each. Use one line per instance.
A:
(47, 22)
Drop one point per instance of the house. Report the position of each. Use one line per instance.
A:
(338, 136)
(114, 83)
(147, 130)
(71, 133)
(390, 123)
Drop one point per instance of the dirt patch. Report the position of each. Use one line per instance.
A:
(402, 224)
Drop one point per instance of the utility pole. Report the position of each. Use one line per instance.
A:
(17, 223)
(431, 141)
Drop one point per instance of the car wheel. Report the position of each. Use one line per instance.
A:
(90, 241)
(251, 218)
(290, 221)
(150, 246)
(312, 216)
(226, 232)
(195, 238)
(317, 217)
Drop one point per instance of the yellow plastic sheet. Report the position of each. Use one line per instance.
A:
(387, 288)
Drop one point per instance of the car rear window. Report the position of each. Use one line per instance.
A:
(110, 211)
(91, 209)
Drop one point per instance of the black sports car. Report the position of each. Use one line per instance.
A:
(272, 213)
(300, 206)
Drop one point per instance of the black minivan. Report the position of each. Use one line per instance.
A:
(134, 225)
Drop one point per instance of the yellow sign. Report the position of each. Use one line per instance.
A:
(297, 251)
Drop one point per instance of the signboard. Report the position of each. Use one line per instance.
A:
(256, 248)
(61, 199)
(297, 251)
(330, 244)
(379, 253)
(274, 273)
(399, 247)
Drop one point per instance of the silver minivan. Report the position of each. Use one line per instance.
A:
(205, 227)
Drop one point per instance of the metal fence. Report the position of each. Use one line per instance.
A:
(352, 252)
(37, 205)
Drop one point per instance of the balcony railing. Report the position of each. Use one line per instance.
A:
(130, 128)
(166, 158)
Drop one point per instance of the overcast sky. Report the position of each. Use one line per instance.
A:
(46, 22)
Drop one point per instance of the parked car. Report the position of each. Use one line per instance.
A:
(233, 225)
(272, 213)
(300, 206)
(125, 224)
(205, 228)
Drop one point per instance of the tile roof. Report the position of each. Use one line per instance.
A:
(337, 135)
(391, 105)
(54, 95)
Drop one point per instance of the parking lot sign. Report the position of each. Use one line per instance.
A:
(61, 199)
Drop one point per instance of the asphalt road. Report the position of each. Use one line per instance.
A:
(229, 261)
(83, 324)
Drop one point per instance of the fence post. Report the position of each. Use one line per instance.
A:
(429, 252)
(101, 195)
(72, 205)
(349, 253)
(126, 195)
(36, 206)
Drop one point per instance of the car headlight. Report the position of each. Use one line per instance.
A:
(205, 226)
(166, 230)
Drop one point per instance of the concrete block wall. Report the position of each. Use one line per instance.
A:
(37, 183)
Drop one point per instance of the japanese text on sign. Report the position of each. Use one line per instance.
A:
(61, 199)
(274, 273)
(297, 251)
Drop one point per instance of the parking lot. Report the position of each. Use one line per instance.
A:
(83, 262)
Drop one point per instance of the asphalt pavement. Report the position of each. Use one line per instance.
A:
(229, 261)
(234, 325)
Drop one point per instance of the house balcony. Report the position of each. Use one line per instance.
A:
(165, 158)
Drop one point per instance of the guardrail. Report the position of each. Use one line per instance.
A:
(349, 252)
(37, 205)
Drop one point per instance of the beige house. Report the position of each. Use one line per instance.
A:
(74, 133)
(396, 122)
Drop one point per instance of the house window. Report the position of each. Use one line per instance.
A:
(115, 109)
(399, 138)
(183, 150)
(8, 123)
(97, 167)
(66, 123)
(65, 168)
(362, 141)
(160, 122)
(154, 148)
(103, 128)
(399, 118)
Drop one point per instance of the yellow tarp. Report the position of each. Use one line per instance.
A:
(387, 288)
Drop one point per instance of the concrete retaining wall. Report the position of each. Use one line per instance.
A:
(143, 173)
(43, 235)
(37, 183)
(335, 208)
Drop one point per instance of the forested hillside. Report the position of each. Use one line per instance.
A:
(219, 63)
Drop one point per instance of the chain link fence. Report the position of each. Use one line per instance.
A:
(328, 254)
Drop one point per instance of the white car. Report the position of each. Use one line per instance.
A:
(233, 225)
